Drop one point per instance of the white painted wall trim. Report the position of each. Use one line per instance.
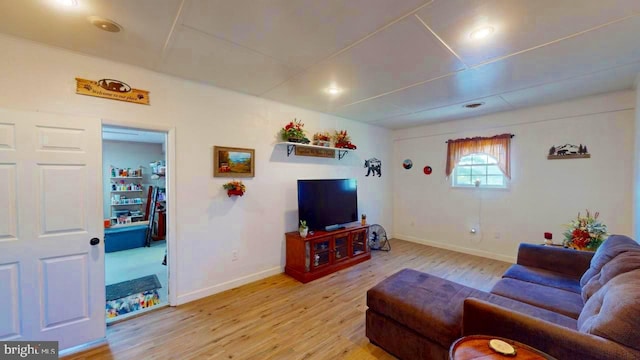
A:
(172, 245)
(172, 238)
(211, 290)
(460, 249)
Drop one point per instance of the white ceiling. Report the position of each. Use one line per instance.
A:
(132, 135)
(400, 63)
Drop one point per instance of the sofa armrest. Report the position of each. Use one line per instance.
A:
(553, 258)
(481, 317)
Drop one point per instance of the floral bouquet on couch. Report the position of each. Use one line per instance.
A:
(585, 232)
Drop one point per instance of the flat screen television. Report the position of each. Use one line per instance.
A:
(327, 204)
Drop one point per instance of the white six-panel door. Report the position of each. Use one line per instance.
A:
(51, 278)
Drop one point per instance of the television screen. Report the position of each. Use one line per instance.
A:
(323, 203)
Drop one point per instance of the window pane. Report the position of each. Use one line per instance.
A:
(479, 171)
(495, 180)
(491, 160)
(478, 159)
(493, 170)
(466, 160)
(463, 170)
(463, 180)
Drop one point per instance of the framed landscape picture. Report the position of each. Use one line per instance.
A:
(233, 162)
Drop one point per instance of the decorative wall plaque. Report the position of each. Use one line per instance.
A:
(111, 89)
(315, 152)
(568, 151)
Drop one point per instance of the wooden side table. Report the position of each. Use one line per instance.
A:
(477, 347)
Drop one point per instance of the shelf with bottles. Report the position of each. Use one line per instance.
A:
(125, 173)
(123, 186)
(124, 191)
(132, 216)
(158, 168)
(121, 200)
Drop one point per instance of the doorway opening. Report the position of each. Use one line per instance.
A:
(134, 164)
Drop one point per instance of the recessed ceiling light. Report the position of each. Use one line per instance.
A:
(68, 3)
(333, 90)
(105, 24)
(473, 105)
(481, 33)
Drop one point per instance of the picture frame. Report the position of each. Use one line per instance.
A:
(232, 162)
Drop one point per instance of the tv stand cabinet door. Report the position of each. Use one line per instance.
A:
(340, 247)
(358, 244)
(321, 252)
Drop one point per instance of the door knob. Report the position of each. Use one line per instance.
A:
(94, 241)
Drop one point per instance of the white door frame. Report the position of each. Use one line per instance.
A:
(172, 249)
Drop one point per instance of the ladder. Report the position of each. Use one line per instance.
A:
(152, 214)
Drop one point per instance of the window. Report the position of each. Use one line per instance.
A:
(478, 166)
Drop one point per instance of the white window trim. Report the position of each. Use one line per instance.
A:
(481, 186)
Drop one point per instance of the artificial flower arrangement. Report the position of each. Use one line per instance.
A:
(235, 187)
(585, 232)
(322, 139)
(343, 140)
(294, 132)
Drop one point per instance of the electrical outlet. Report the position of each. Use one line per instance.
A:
(234, 255)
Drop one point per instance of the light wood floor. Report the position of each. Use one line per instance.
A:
(280, 318)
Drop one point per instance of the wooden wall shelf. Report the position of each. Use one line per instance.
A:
(325, 252)
(570, 156)
(291, 146)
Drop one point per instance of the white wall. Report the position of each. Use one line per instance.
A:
(210, 225)
(127, 154)
(543, 194)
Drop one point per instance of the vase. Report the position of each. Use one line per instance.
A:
(303, 232)
(232, 192)
(295, 140)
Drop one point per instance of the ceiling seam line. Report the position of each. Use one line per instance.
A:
(282, 62)
(441, 40)
(503, 126)
(491, 61)
(331, 56)
(505, 100)
(504, 93)
(171, 31)
(401, 89)
(556, 81)
(554, 41)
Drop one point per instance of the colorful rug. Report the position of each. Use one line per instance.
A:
(132, 295)
(132, 303)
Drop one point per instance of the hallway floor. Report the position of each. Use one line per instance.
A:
(136, 263)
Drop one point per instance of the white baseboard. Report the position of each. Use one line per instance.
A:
(84, 347)
(208, 291)
(486, 254)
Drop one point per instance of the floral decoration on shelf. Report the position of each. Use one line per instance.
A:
(322, 139)
(294, 132)
(235, 187)
(343, 140)
(585, 232)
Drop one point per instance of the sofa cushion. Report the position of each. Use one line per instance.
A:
(432, 306)
(610, 248)
(622, 263)
(557, 300)
(543, 277)
(613, 312)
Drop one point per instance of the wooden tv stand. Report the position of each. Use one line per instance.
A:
(325, 252)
